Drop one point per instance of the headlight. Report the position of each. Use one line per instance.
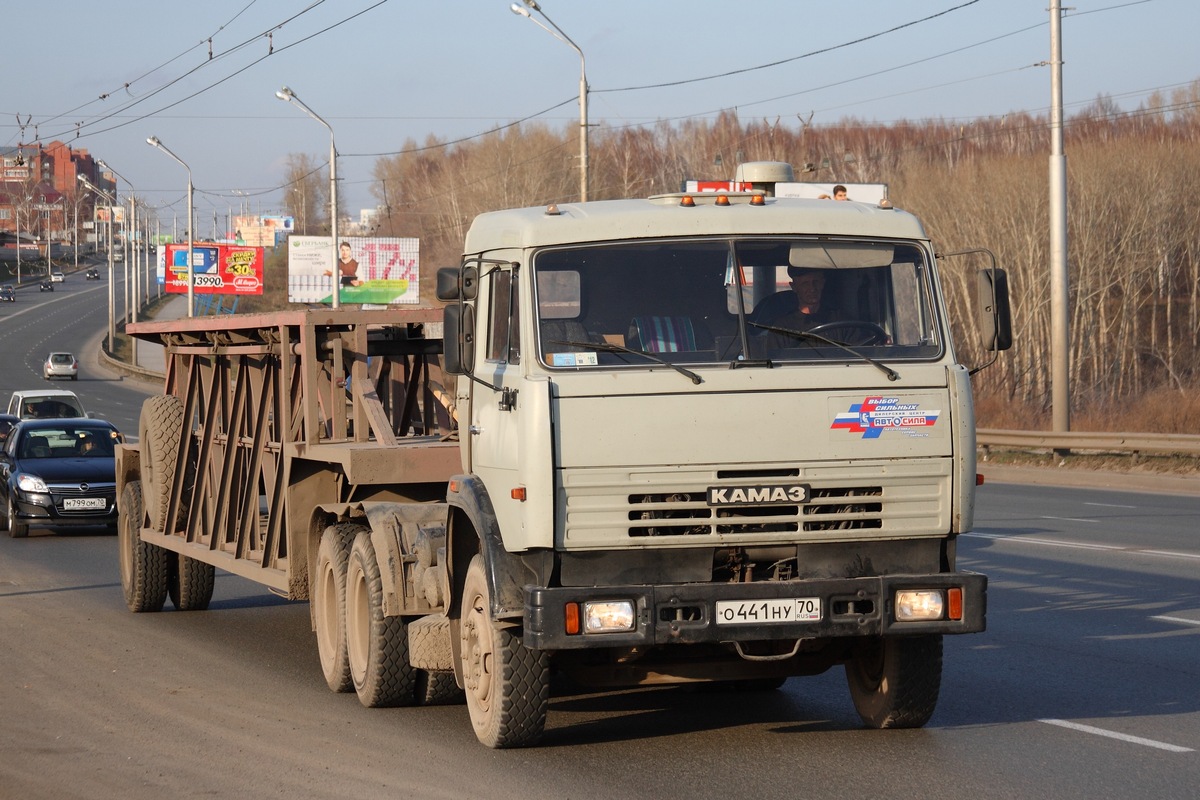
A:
(31, 483)
(919, 604)
(608, 616)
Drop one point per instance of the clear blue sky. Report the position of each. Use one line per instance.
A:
(385, 72)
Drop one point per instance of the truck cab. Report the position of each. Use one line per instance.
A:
(731, 487)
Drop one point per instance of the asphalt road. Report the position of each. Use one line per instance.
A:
(72, 318)
(1086, 683)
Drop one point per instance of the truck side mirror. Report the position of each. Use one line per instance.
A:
(995, 317)
(457, 283)
(458, 331)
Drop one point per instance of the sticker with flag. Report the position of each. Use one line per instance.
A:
(874, 415)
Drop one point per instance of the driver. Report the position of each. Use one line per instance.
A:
(800, 309)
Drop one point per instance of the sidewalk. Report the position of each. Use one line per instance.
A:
(150, 356)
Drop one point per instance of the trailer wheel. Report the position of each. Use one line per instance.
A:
(160, 428)
(190, 585)
(16, 528)
(507, 684)
(377, 644)
(144, 566)
(329, 604)
(894, 681)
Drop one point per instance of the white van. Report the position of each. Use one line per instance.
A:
(45, 403)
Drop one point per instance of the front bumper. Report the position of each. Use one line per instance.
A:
(38, 508)
(686, 613)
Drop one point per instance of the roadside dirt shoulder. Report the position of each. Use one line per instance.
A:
(1090, 479)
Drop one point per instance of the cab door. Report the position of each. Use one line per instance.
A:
(497, 409)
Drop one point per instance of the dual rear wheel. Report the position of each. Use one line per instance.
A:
(360, 648)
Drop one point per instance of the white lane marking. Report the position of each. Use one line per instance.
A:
(1075, 726)
(1171, 554)
(1109, 505)
(1178, 619)
(1080, 545)
(1068, 519)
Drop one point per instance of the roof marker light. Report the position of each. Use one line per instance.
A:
(687, 201)
(722, 200)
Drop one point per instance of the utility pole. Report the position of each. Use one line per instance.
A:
(1060, 310)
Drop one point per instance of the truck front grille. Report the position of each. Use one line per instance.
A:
(602, 508)
(686, 513)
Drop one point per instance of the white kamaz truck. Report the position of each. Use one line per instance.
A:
(634, 453)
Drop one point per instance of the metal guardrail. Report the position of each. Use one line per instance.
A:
(1133, 444)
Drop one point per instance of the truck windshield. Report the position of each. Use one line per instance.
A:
(726, 300)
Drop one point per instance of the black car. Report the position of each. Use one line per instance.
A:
(59, 473)
(92, 274)
(7, 294)
(46, 286)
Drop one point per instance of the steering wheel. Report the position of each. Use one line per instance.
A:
(852, 332)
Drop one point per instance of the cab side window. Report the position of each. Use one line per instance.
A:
(504, 333)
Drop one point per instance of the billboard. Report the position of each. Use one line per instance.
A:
(861, 192)
(109, 214)
(260, 230)
(216, 268)
(370, 270)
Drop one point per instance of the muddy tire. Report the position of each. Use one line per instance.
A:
(507, 685)
(438, 689)
(329, 604)
(144, 567)
(377, 645)
(160, 428)
(190, 585)
(894, 681)
(16, 528)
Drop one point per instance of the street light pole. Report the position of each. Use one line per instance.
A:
(112, 303)
(558, 33)
(289, 96)
(17, 211)
(154, 141)
(131, 287)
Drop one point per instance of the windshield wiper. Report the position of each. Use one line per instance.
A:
(608, 347)
(892, 375)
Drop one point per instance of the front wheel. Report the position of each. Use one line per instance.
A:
(16, 528)
(507, 684)
(894, 681)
